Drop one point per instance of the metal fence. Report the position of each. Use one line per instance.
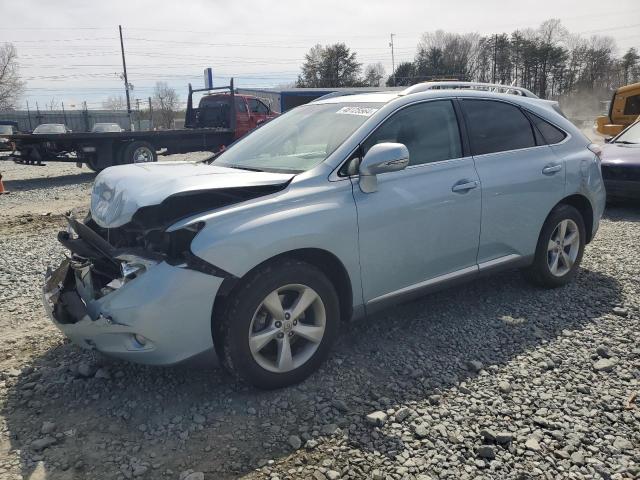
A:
(76, 120)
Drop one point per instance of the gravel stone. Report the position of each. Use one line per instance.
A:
(475, 366)
(532, 444)
(42, 443)
(377, 418)
(605, 365)
(622, 444)
(295, 442)
(504, 438)
(577, 458)
(47, 427)
(504, 387)
(486, 451)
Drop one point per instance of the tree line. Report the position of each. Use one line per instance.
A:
(550, 61)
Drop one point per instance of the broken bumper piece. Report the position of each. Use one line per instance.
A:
(161, 317)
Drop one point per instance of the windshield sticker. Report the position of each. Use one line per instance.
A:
(363, 111)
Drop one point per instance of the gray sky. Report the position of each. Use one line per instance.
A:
(69, 49)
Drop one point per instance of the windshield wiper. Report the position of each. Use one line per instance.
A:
(238, 167)
(626, 142)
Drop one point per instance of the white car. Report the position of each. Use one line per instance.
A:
(106, 127)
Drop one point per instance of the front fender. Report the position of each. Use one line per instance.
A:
(320, 217)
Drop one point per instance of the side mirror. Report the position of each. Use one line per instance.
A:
(381, 158)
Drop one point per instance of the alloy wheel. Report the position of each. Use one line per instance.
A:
(563, 247)
(142, 155)
(287, 328)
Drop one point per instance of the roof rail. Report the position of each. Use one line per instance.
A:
(489, 87)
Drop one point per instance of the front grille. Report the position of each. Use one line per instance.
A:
(630, 174)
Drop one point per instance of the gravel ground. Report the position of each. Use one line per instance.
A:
(492, 380)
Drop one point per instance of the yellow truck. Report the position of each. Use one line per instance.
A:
(623, 111)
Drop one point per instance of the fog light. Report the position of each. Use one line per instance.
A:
(140, 340)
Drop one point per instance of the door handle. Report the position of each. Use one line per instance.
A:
(551, 169)
(464, 186)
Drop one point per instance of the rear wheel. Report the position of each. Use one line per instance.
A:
(279, 325)
(92, 163)
(139, 152)
(560, 248)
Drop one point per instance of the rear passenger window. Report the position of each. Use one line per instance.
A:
(550, 134)
(496, 127)
(632, 106)
(429, 130)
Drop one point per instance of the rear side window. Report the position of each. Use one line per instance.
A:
(256, 106)
(429, 130)
(550, 134)
(241, 106)
(496, 127)
(632, 105)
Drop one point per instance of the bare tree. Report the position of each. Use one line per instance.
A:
(165, 103)
(11, 87)
(374, 73)
(53, 104)
(115, 102)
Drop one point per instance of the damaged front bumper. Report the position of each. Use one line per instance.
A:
(161, 316)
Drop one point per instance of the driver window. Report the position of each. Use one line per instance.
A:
(429, 130)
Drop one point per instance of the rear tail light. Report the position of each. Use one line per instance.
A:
(595, 149)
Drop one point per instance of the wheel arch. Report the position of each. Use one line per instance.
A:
(583, 205)
(324, 260)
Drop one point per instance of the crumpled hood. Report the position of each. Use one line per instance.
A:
(119, 192)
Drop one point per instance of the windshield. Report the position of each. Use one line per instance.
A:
(631, 135)
(6, 130)
(298, 140)
(50, 128)
(105, 127)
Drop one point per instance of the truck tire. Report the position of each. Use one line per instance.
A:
(92, 163)
(138, 152)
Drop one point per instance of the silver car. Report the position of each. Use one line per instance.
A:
(330, 212)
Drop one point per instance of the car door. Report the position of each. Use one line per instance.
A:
(243, 122)
(258, 110)
(522, 179)
(422, 224)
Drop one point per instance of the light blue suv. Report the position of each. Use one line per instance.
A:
(331, 211)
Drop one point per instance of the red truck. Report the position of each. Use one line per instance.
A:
(209, 127)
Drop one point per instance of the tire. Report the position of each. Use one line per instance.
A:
(542, 272)
(92, 163)
(139, 152)
(284, 283)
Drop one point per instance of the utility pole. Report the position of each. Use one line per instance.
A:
(64, 114)
(29, 115)
(126, 80)
(495, 51)
(138, 112)
(150, 115)
(393, 62)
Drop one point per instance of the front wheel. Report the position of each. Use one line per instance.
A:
(560, 248)
(279, 325)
